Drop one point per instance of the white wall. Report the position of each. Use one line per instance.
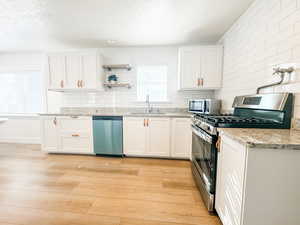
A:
(267, 34)
(122, 97)
(21, 129)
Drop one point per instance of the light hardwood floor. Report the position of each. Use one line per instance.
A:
(41, 189)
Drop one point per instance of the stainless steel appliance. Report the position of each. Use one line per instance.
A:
(252, 111)
(205, 106)
(108, 135)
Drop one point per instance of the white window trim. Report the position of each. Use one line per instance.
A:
(167, 100)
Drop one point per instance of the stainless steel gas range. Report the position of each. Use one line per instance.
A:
(251, 111)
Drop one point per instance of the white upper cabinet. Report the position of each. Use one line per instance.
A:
(200, 67)
(92, 75)
(75, 71)
(189, 67)
(57, 71)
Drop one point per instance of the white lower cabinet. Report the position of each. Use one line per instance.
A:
(159, 134)
(134, 136)
(230, 181)
(157, 137)
(49, 131)
(257, 186)
(181, 138)
(64, 134)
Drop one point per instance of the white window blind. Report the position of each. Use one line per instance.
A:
(152, 81)
(21, 92)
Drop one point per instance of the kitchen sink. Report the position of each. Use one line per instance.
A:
(145, 113)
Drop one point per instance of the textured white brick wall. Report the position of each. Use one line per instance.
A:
(266, 35)
(128, 97)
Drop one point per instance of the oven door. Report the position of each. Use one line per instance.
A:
(204, 155)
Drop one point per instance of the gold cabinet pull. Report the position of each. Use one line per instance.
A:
(78, 83)
(218, 143)
(198, 82)
(62, 84)
(147, 122)
(201, 81)
(144, 122)
(81, 83)
(75, 135)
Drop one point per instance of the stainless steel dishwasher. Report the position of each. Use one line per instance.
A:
(108, 135)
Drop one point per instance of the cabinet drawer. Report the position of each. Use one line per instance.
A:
(73, 143)
(75, 124)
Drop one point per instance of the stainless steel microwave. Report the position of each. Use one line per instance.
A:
(204, 106)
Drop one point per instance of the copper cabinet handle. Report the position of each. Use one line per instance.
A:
(74, 117)
(61, 83)
(78, 83)
(198, 82)
(55, 121)
(81, 83)
(147, 122)
(75, 135)
(201, 81)
(218, 143)
(144, 122)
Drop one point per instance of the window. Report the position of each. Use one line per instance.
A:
(152, 81)
(21, 92)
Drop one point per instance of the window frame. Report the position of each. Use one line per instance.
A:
(167, 100)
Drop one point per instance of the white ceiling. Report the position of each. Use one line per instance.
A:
(47, 24)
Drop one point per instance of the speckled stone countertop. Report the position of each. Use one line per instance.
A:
(264, 138)
(182, 115)
(127, 112)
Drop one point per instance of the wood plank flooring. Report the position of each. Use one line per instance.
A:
(41, 189)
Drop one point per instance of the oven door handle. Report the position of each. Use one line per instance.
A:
(201, 134)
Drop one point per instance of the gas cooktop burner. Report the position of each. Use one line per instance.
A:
(221, 120)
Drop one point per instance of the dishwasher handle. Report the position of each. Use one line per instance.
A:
(107, 118)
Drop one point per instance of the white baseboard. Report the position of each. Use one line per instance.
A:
(21, 140)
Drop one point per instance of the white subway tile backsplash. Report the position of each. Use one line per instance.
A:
(265, 36)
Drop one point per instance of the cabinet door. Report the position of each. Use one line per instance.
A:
(230, 181)
(159, 134)
(76, 142)
(73, 70)
(211, 67)
(90, 77)
(49, 134)
(134, 136)
(181, 138)
(75, 135)
(189, 68)
(57, 72)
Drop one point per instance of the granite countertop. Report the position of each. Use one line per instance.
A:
(264, 138)
(128, 114)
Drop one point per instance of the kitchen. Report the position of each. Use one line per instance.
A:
(97, 129)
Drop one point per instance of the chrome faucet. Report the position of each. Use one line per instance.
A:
(149, 108)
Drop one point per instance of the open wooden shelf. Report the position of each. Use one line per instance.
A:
(117, 67)
(110, 85)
